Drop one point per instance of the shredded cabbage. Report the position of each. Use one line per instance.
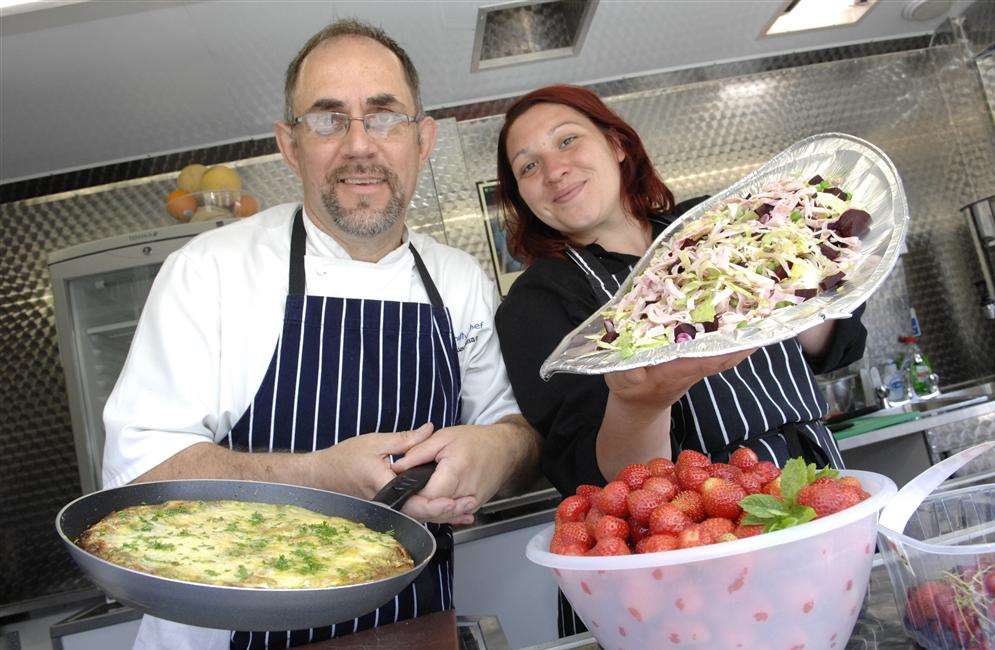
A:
(737, 264)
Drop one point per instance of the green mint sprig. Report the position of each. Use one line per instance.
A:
(775, 513)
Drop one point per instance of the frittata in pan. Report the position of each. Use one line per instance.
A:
(243, 544)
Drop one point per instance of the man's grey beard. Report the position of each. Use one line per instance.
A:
(363, 221)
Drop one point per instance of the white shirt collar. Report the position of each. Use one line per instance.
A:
(321, 244)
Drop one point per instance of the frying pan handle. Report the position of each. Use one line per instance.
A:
(395, 493)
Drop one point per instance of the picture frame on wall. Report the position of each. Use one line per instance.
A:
(506, 266)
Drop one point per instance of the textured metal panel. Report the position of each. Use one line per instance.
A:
(978, 22)
(951, 438)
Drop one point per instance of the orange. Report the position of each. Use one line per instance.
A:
(181, 205)
(246, 206)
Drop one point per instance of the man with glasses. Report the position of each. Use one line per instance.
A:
(328, 330)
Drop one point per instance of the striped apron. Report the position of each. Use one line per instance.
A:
(769, 403)
(344, 367)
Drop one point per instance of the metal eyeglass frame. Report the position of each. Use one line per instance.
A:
(408, 119)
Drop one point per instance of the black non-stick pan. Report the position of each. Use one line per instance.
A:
(240, 608)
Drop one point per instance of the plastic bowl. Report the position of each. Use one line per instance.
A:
(800, 587)
(213, 204)
(949, 541)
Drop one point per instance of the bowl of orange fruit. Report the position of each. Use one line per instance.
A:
(205, 193)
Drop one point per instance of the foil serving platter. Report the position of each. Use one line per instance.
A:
(866, 172)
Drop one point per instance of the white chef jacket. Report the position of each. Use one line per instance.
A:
(212, 320)
(211, 324)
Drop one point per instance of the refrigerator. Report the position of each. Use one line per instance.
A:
(99, 289)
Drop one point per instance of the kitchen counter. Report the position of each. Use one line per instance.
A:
(923, 423)
(878, 628)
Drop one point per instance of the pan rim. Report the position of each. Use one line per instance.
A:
(261, 590)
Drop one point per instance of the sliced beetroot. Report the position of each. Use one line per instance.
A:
(828, 252)
(780, 273)
(834, 280)
(610, 333)
(837, 192)
(763, 209)
(852, 223)
(815, 180)
(684, 328)
(806, 294)
(689, 242)
(711, 327)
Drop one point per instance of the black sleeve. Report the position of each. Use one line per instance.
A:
(846, 345)
(568, 409)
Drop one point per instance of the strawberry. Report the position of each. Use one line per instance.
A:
(717, 526)
(609, 526)
(656, 544)
(744, 458)
(593, 515)
(691, 458)
(668, 519)
(742, 531)
(726, 537)
(690, 477)
(661, 467)
(573, 508)
(772, 488)
(826, 498)
(642, 502)
(637, 530)
(633, 475)
(750, 482)
(767, 470)
(611, 499)
(721, 498)
(728, 472)
(694, 536)
(573, 549)
(576, 532)
(610, 546)
(691, 503)
(587, 490)
(665, 486)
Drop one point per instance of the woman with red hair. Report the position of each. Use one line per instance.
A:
(582, 204)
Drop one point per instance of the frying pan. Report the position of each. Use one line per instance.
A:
(235, 608)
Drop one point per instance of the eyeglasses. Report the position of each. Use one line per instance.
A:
(380, 125)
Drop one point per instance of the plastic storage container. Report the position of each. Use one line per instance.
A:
(940, 554)
(800, 587)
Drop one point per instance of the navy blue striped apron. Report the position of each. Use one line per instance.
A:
(344, 367)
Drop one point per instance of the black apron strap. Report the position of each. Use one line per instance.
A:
(298, 237)
(603, 283)
(790, 432)
(426, 279)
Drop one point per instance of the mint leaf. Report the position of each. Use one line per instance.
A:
(826, 472)
(803, 514)
(752, 520)
(763, 506)
(794, 477)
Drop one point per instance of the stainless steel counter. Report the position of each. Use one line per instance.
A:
(923, 423)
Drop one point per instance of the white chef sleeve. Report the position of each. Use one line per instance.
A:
(487, 395)
(166, 398)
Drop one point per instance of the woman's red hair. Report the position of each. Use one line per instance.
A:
(643, 191)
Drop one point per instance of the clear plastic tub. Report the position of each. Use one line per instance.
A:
(800, 587)
(940, 554)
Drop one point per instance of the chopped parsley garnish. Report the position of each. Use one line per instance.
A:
(309, 563)
(242, 573)
(211, 572)
(256, 519)
(281, 563)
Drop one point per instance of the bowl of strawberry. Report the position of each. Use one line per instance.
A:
(717, 555)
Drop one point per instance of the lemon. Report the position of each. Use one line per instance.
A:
(189, 178)
(220, 177)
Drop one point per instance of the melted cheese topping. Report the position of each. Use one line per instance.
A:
(244, 544)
